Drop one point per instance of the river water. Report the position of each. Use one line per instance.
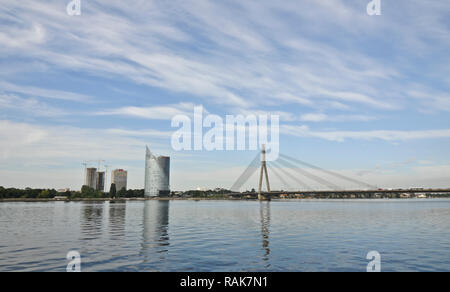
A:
(307, 235)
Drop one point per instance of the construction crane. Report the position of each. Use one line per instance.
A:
(98, 163)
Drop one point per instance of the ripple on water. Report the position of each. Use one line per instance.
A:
(226, 236)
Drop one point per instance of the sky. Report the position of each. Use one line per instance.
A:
(365, 96)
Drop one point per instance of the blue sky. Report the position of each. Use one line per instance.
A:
(367, 96)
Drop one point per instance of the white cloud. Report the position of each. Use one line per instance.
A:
(212, 52)
(18, 38)
(26, 143)
(29, 106)
(292, 98)
(321, 117)
(314, 117)
(386, 135)
(284, 116)
(46, 93)
(163, 112)
(140, 133)
(431, 100)
(358, 97)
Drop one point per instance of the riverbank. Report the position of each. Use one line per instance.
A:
(193, 199)
(118, 199)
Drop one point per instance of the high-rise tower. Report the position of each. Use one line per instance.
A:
(91, 178)
(119, 178)
(100, 181)
(157, 175)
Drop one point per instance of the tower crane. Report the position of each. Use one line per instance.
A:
(98, 163)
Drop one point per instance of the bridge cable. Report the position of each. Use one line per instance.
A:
(251, 169)
(310, 175)
(280, 167)
(277, 174)
(361, 183)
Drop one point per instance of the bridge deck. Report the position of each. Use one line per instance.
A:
(329, 192)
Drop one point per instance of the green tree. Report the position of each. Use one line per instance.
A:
(53, 193)
(68, 194)
(112, 190)
(44, 194)
(88, 192)
(122, 193)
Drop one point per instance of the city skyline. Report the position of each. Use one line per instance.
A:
(366, 96)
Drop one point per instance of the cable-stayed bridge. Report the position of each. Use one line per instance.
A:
(295, 176)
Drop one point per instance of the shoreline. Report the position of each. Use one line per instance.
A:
(23, 200)
(120, 199)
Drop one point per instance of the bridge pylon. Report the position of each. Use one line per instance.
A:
(264, 172)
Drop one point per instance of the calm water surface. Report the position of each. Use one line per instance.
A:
(410, 235)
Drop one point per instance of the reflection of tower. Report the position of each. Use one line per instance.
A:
(263, 171)
(155, 232)
(264, 212)
(157, 175)
(92, 218)
(117, 212)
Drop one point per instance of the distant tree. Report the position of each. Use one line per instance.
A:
(53, 193)
(135, 193)
(44, 194)
(75, 194)
(29, 193)
(122, 193)
(130, 194)
(98, 194)
(88, 192)
(112, 190)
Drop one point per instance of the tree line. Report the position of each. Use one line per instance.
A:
(28, 193)
(86, 192)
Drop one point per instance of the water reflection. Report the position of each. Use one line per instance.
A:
(313, 235)
(91, 220)
(264, 211)
(155, 239)
(117, 212)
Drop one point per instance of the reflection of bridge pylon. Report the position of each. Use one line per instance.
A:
(263, 171)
